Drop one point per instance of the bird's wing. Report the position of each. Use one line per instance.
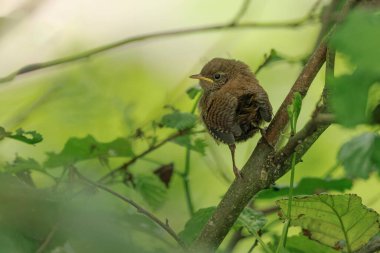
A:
(220, 118)
(261, 101)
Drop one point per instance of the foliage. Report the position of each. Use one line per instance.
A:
(79, 149)
(349, 98)
(294, 111)
(28, 137)
(249, 219)
(361, 155)
(179, 120)
(152, 190)
(307, 186)
(299, 244)
(338, 221)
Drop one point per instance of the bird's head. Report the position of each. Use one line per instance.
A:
(219, 72)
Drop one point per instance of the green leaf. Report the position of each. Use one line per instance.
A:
(360, 156)
(349, 98)
(79, 149)
(151, 189)
(29, 137)
(338, 221)
(194, 225)
(308, 186)
(192, 92)
(302, 244)
(252, 220)
(179, 120)
(274, 56)
(21, 164)
(359, 38)
(199, 145)
(294, 111)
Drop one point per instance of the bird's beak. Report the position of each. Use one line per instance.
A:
(200, 77)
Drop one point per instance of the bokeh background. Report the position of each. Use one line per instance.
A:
(112, 94)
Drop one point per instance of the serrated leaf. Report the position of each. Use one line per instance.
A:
(29, 137)
(194, 225)
(79, 149)
(192, 92)
(21, 164)
(308, 186)
(338, 221)
(302, 244)
(360, 156)
(199, 145)
(179, 120)
(252, 220)
(151, 189)
(294, 111)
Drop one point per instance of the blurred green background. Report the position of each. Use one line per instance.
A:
(112, 94)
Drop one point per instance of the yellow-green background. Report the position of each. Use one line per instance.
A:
(111, 94)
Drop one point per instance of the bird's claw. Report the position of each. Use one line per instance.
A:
(263, 132)
(237, 173)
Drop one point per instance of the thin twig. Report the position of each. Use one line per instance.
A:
(243, 9)
(91, 52)
(47, 240)
(125, 165)
(140, 209)
(185, 177)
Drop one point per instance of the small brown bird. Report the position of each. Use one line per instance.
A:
(233, 105)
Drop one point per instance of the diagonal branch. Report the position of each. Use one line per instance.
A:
(91, 52)
(140, 209)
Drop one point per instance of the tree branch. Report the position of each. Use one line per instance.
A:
(140, 209)
(125, 165)
(243, 9)
(86, 54)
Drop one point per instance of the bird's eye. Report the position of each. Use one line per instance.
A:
(216, 76)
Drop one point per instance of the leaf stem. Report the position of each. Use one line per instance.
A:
(185, 177)
(262, 243)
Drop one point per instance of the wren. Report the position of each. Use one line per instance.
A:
(233, 104)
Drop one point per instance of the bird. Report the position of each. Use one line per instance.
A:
(233, 106)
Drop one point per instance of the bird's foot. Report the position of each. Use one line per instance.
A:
(237, 173)
(263, 132)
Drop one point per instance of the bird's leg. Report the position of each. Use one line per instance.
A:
(263, 132)
(235, 169)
